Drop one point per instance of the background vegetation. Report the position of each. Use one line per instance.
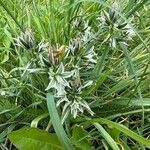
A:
(74, 74)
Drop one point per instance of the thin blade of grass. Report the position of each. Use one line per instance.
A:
(123, 129)
(7, 10)
(62, 136)
(133, 72)
(107, 137)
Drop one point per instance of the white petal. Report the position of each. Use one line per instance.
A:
(61, 100)
(60, 69)
(51, 84)
(60, 89)
(68, 74)
(88, 83)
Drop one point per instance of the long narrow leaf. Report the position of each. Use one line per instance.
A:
(123, 129)
(106, 136)
(62, 136)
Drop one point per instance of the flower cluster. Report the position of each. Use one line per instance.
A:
(63, 65)
(113, 28)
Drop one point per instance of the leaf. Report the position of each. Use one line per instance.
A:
(62, 136)
(98, 83)
(80, 138)
(7, 38)
(114, 133)
(118, 87)
(132, 102)
(4, 57)
(107, 137)
(35, 122)
(124, 145)
(9, 12)
(34, 139)
(124, 130)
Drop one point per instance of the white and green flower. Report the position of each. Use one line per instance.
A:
(89, 59)
(78, 106)
(75, 107)
(25, 40)
(58, 80)
(42, 46)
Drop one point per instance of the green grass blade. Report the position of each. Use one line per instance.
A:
(35, 122)
(123, 129)
(106, 136)
(118, 87)
(146, 110)
(7, 10)
(132, 69)
(98, 83)
(38, 21)
(132, 102)
(62, 136)
(101, 61)
(136, 8)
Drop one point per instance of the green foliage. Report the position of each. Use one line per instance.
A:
(81, 138)
(92, 56)
(122, 129)
(34, 139)
(57, 123)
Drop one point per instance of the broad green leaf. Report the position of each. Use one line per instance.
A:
(6, 42)
(80, 138)
(62, 136)
(114, 133)
(8, 38)
(34, 139)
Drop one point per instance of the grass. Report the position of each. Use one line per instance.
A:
(76, 73)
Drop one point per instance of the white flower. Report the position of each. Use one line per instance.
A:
(42, 46)
(26, 40)
(90, 55)
(112, 42)
(87, 34)
(129, 31)
(114, 12)
(58, 80)
(75, 23)
(74, 46)
(86, 84)
(90, 58)
(78, 106)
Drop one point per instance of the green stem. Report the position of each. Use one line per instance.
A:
(48, 126)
